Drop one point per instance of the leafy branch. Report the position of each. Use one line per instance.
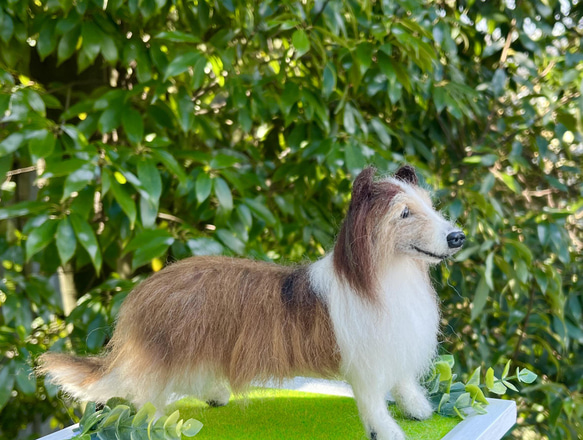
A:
(454, 398)
(118, 420)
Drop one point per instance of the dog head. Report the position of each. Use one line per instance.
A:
(387, 219)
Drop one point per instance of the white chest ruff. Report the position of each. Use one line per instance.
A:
(396, 338)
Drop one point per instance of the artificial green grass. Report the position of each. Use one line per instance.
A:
(266, 414)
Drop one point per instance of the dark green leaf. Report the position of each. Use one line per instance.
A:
(204, 185)
(11, 143)
(133, 125)
(181, 63)
(261, 211)
(6, 385)
(40, 237)
(480, 298)
(22, 208)
(76, 181)
(329, 80)
(87, 238)
(231, 241)
(68, 44)
(204, 246)
(66, 241)
(223, 193)
(121, 195)
(47, 39)
(171, 163)
(41, 144)
(301, 42)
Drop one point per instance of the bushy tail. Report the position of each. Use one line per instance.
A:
(83, 378)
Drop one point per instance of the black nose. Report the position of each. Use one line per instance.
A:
(456, 239)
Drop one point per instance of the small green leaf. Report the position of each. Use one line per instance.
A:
(444, 370)
(87, 238)
(480, 298)
(261, 211)
(6, 28)
(185, 109)
(22, 208)
(109, 120)
(489, 380)
(11, 143)
(231, 241)
(181, 63)
(444, 399)
(507, 384)
(223, 161)
(41, 144)
(204, 185)
(47, 38)
(301, 42)
(328, 79)
(223, 193)
(76, 181)
(151, 181)
(476, 393)
(349, 121)
(499, 82)
(204, 246)
(68, 44)
(124, 199)
(463, 401)
(354, 158)
(475, 377)
(506, 369)
(148, 251)
(66, 241)
(191, 427)
(6, 385)
(526, 376)
(25, 379)
(178, 37)
(498, 388)
(133, 124)
(40, 237)
(36, 102)
(144, 415)
(171, 163)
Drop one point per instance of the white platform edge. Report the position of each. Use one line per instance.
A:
(500, 418)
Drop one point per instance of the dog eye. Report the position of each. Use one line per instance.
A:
(405, 213)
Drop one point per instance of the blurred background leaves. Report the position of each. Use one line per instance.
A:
(136, 133)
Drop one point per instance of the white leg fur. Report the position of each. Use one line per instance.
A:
(372, 407)
(410, 397)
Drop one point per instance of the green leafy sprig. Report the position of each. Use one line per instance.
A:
(118, 420)
(454, 398)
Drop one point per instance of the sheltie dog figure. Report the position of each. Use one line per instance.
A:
(365, 312)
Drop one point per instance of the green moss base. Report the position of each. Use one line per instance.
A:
(267, 414)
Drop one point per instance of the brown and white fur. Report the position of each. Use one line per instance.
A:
(207, 326)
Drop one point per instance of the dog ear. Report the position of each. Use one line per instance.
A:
(362, 186)
(407, 174)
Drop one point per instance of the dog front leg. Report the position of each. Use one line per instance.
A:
(411, 398)
(372, 407)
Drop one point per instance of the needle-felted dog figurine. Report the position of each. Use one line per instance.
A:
(367, 312)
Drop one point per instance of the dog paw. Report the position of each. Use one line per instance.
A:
(393, 434)
(216, 403)
(420, 409)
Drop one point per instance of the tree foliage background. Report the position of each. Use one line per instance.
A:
(138, 132)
